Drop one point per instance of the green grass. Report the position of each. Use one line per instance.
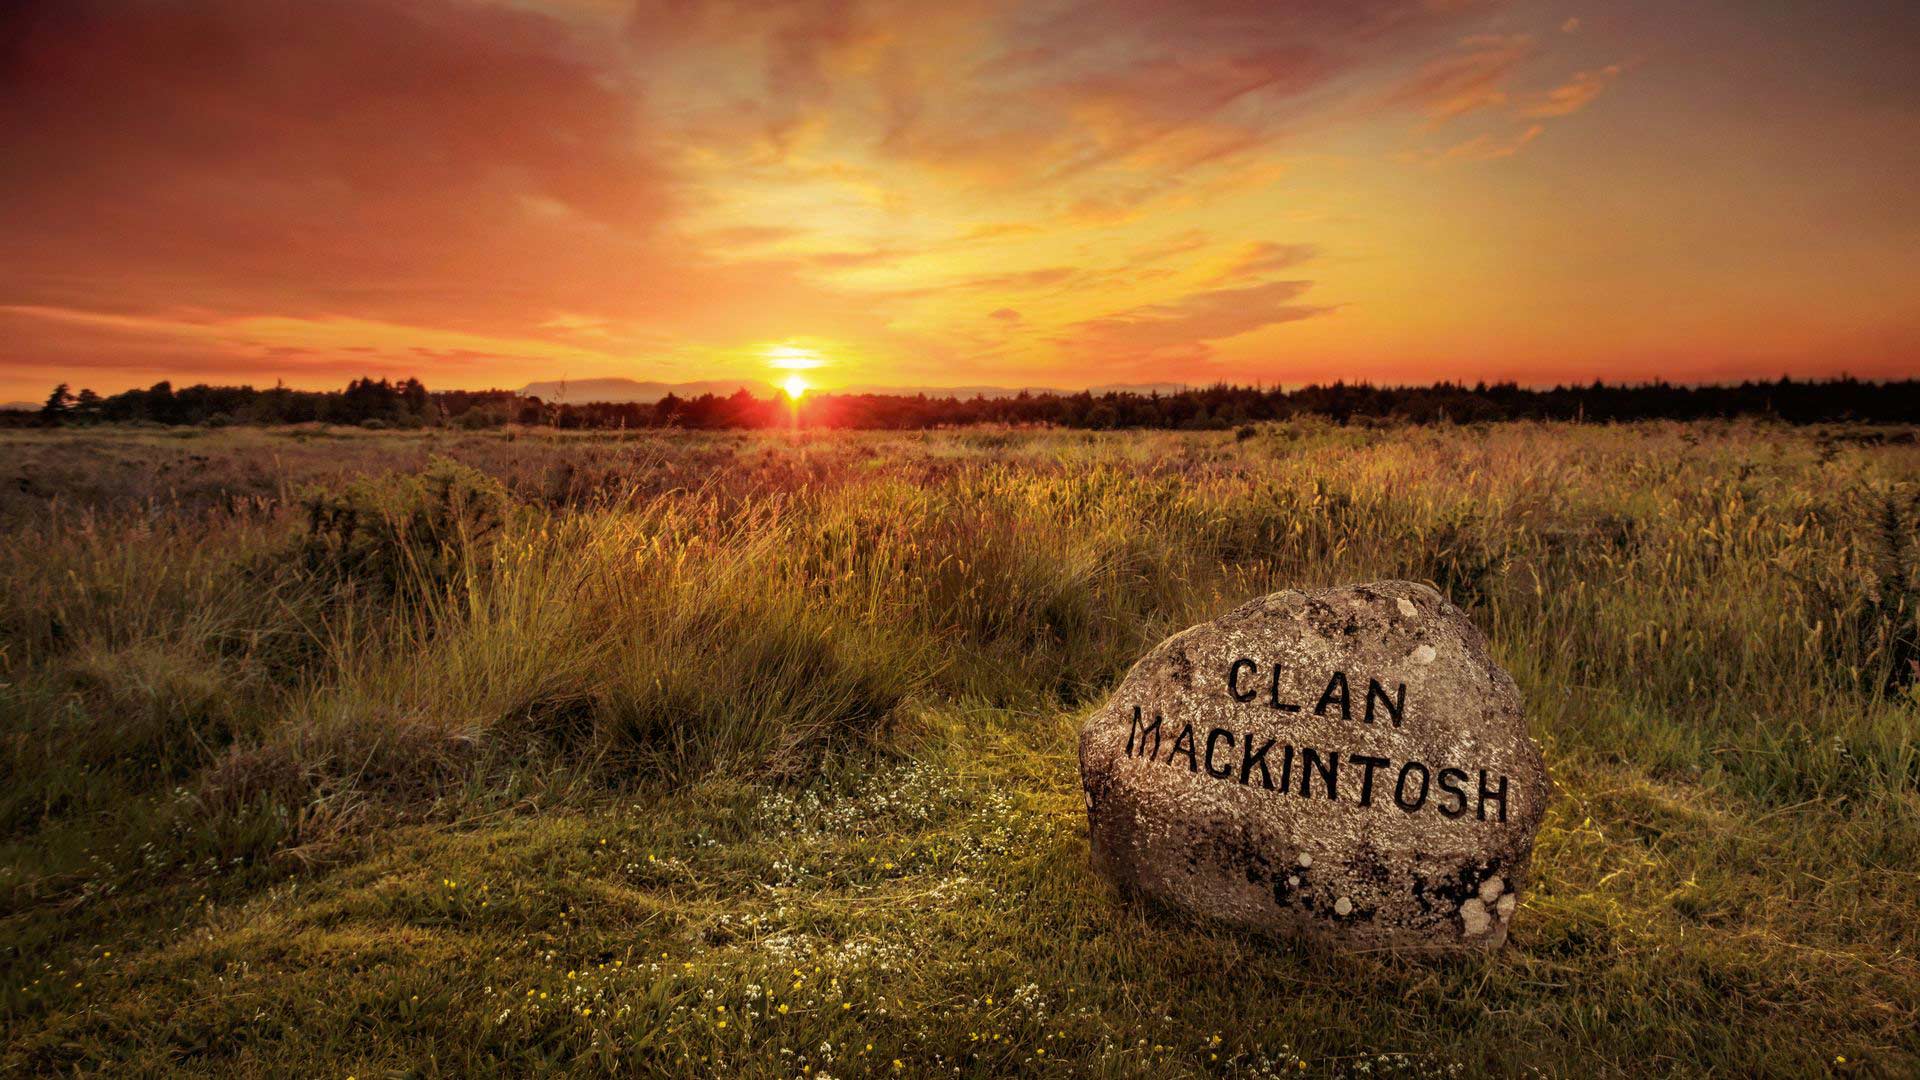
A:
(339, 753)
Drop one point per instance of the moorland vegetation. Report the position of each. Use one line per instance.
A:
(330, 751)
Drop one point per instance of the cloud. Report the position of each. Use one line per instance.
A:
(242, 347)
(1491, 147)
(1472, 78)
(1264, 257)
(1185, 243)
(499, 184)
(317, 155)
(446, 167)
(1478, 77)
(1046, 277)
(738, 237)
(1002, 94)
(1572, 96)
(803, 49)
(1186, 328)
(267, 186)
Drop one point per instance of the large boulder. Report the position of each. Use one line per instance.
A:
(1347, 766)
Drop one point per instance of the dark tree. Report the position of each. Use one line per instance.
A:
(59, 403)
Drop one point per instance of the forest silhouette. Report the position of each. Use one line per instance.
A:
(408, 403)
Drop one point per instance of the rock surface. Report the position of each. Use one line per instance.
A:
(1347, 766)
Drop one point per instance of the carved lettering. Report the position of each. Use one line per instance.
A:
(1184, 745)
(1226, 770)
(1233, 678)
(1336, 693)
(1413, 781)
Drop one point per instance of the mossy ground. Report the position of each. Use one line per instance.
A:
(762, 764)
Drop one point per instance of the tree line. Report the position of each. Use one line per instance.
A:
(409, 404)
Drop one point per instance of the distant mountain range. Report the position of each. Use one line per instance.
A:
(621, 391)
(19, 406)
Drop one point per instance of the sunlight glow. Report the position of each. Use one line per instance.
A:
(793, 357)
(794, 386)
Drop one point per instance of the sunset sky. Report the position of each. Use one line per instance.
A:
(960, 192)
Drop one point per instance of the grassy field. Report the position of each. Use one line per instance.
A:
(336, 753)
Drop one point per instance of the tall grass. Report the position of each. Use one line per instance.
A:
(284, 713)
(1734, 601)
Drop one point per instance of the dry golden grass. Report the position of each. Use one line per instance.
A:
(480, 752)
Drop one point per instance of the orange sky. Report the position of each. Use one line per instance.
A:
(971, 191)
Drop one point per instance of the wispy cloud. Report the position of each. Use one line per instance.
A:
(1573, 95)
(1184, 329)
(1473, 77)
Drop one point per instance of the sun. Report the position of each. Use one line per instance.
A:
(793, 360)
